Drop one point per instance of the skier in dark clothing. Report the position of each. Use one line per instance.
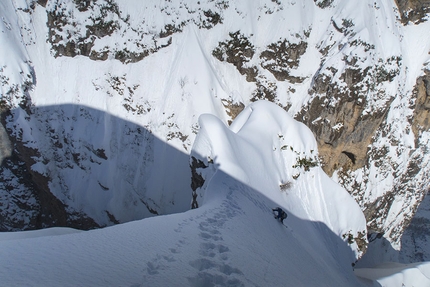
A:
(281, 215)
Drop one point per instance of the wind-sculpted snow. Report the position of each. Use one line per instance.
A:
(268, 150)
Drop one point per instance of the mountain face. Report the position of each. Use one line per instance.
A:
(100, 101)
(414, 11)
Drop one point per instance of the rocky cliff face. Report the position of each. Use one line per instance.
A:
(421, 94)
(27, 202)
(360, 83)
(414, 11)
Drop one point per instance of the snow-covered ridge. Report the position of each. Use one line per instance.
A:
(347, 70)
(232, 239)
(269, 151)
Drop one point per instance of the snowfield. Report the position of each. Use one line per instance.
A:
(232, 239)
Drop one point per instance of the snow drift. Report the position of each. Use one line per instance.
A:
(267, 150)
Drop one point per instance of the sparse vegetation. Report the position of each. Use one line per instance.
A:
(306, 163)
(349, 237)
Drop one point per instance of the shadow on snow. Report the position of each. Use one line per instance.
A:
(105, 170)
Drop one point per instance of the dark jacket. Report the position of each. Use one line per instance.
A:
(281, 214)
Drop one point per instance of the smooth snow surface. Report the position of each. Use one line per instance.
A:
(53, 231)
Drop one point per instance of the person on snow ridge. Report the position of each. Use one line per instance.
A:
(281, 214)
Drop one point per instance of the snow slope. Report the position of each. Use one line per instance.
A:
(265, 141)
(232, 239)
(397, 274)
